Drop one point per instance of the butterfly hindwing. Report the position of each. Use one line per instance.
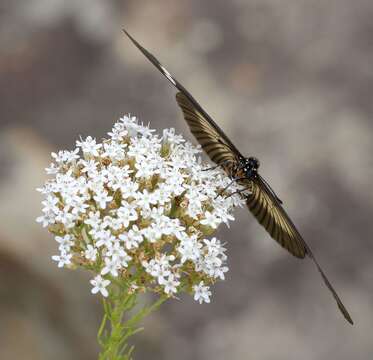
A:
(270, 214)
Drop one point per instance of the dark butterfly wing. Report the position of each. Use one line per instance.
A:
(273, 218)
(271, 215)
(210, 136)
(207, 135)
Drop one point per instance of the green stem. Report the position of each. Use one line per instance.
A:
(114, 331)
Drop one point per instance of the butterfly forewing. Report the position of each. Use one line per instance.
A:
(208, 136)
(189, 102)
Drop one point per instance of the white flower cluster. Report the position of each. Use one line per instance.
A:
(138, 207)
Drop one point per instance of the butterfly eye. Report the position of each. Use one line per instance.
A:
(254, 162)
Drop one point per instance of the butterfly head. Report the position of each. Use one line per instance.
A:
(253, 163)
(251, 166)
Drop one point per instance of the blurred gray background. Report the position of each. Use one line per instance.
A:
(290, 81)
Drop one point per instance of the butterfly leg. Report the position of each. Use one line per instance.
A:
(219, 165)
(237, 192)
(211, 168)
(228, 186)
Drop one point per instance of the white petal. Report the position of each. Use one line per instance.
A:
(104, 292)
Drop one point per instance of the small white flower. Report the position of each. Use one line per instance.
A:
(223, 215)
(89, 166)
(133, 238)
(113, 223)
(145, 199)
(94, 219)
(201, 293)
(159, 268)
(50, 204)
(46, 219)
(139, 148)
(62, 259)
(145, 131)
(52, 169)
(124, 259)
(118, 132)
(118, 176)
(219, 272)
(114, 151)
(152, 234)
(103, 238)
(215, 247)
(65, 242)
(175, 228)
(210, 220)
(170, 136)
(103, 198)
(127, 120)
(65, 156)
(66, 218)
(89, 146)
(90, 253)
(152, 267)
(111, 266)
(129, 189)
(145, 168)
(126, 213)
(170, 284)
(175, 184)
(99, 285)
(115, 250)
(79, 206)
(162, 195)
(189, 249)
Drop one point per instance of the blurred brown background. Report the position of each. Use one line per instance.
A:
(290, 81)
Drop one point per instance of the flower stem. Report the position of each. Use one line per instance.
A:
(114, 331)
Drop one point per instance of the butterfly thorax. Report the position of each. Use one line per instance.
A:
(247, 168)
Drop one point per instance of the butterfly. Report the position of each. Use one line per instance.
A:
(261, 200)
